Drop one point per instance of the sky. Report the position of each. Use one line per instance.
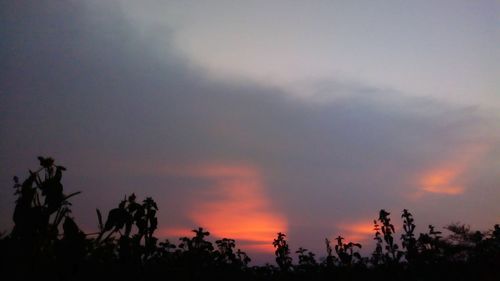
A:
(253, 117)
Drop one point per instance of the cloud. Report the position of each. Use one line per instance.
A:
(81, 84)
(233, 204)
(357, 232)
(444, 178)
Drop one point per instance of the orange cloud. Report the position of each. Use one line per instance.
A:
(442, 180)
(235, 206)
(361, 231)
(445, 178)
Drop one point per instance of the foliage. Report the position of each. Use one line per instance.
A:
(47, 243)
(392, 255)
(377, 255)
(408, 237)
(346, 252)
(282, 252)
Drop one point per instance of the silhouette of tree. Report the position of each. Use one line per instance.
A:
(243, 258)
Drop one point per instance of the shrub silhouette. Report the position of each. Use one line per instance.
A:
(132, 247)
(41, 206)
(46, 243)
(346, 253)
(307, 259)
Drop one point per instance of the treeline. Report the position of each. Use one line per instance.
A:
(47, 244)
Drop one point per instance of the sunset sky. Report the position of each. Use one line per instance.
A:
(253, 117)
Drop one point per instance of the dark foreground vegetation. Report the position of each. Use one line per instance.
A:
(47, 244)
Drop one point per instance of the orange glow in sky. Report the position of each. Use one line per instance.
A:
(234, 206)
(442, 181)
(175, 232)
(445, 178)
(358, 231)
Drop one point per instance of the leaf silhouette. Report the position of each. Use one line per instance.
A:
(99, 219)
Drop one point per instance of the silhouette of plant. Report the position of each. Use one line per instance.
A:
(141, 245)
(41, 204)
(71, 249)
(330, 258)
(487, 251)
(225, 251)
(41, 207)
(47, 244)
(197, 251)
(199, 242)
(307, 266)
(306, 258)
(496, 232)
(282, 252)
(460, 234)
(467, 244)
(166, 249)
(226, 255)
(392, 254)
(346, 253)
(243, 258)
(408, 238)
(377, 255)
(429, 245)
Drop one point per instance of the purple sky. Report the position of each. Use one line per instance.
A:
(249, 120)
